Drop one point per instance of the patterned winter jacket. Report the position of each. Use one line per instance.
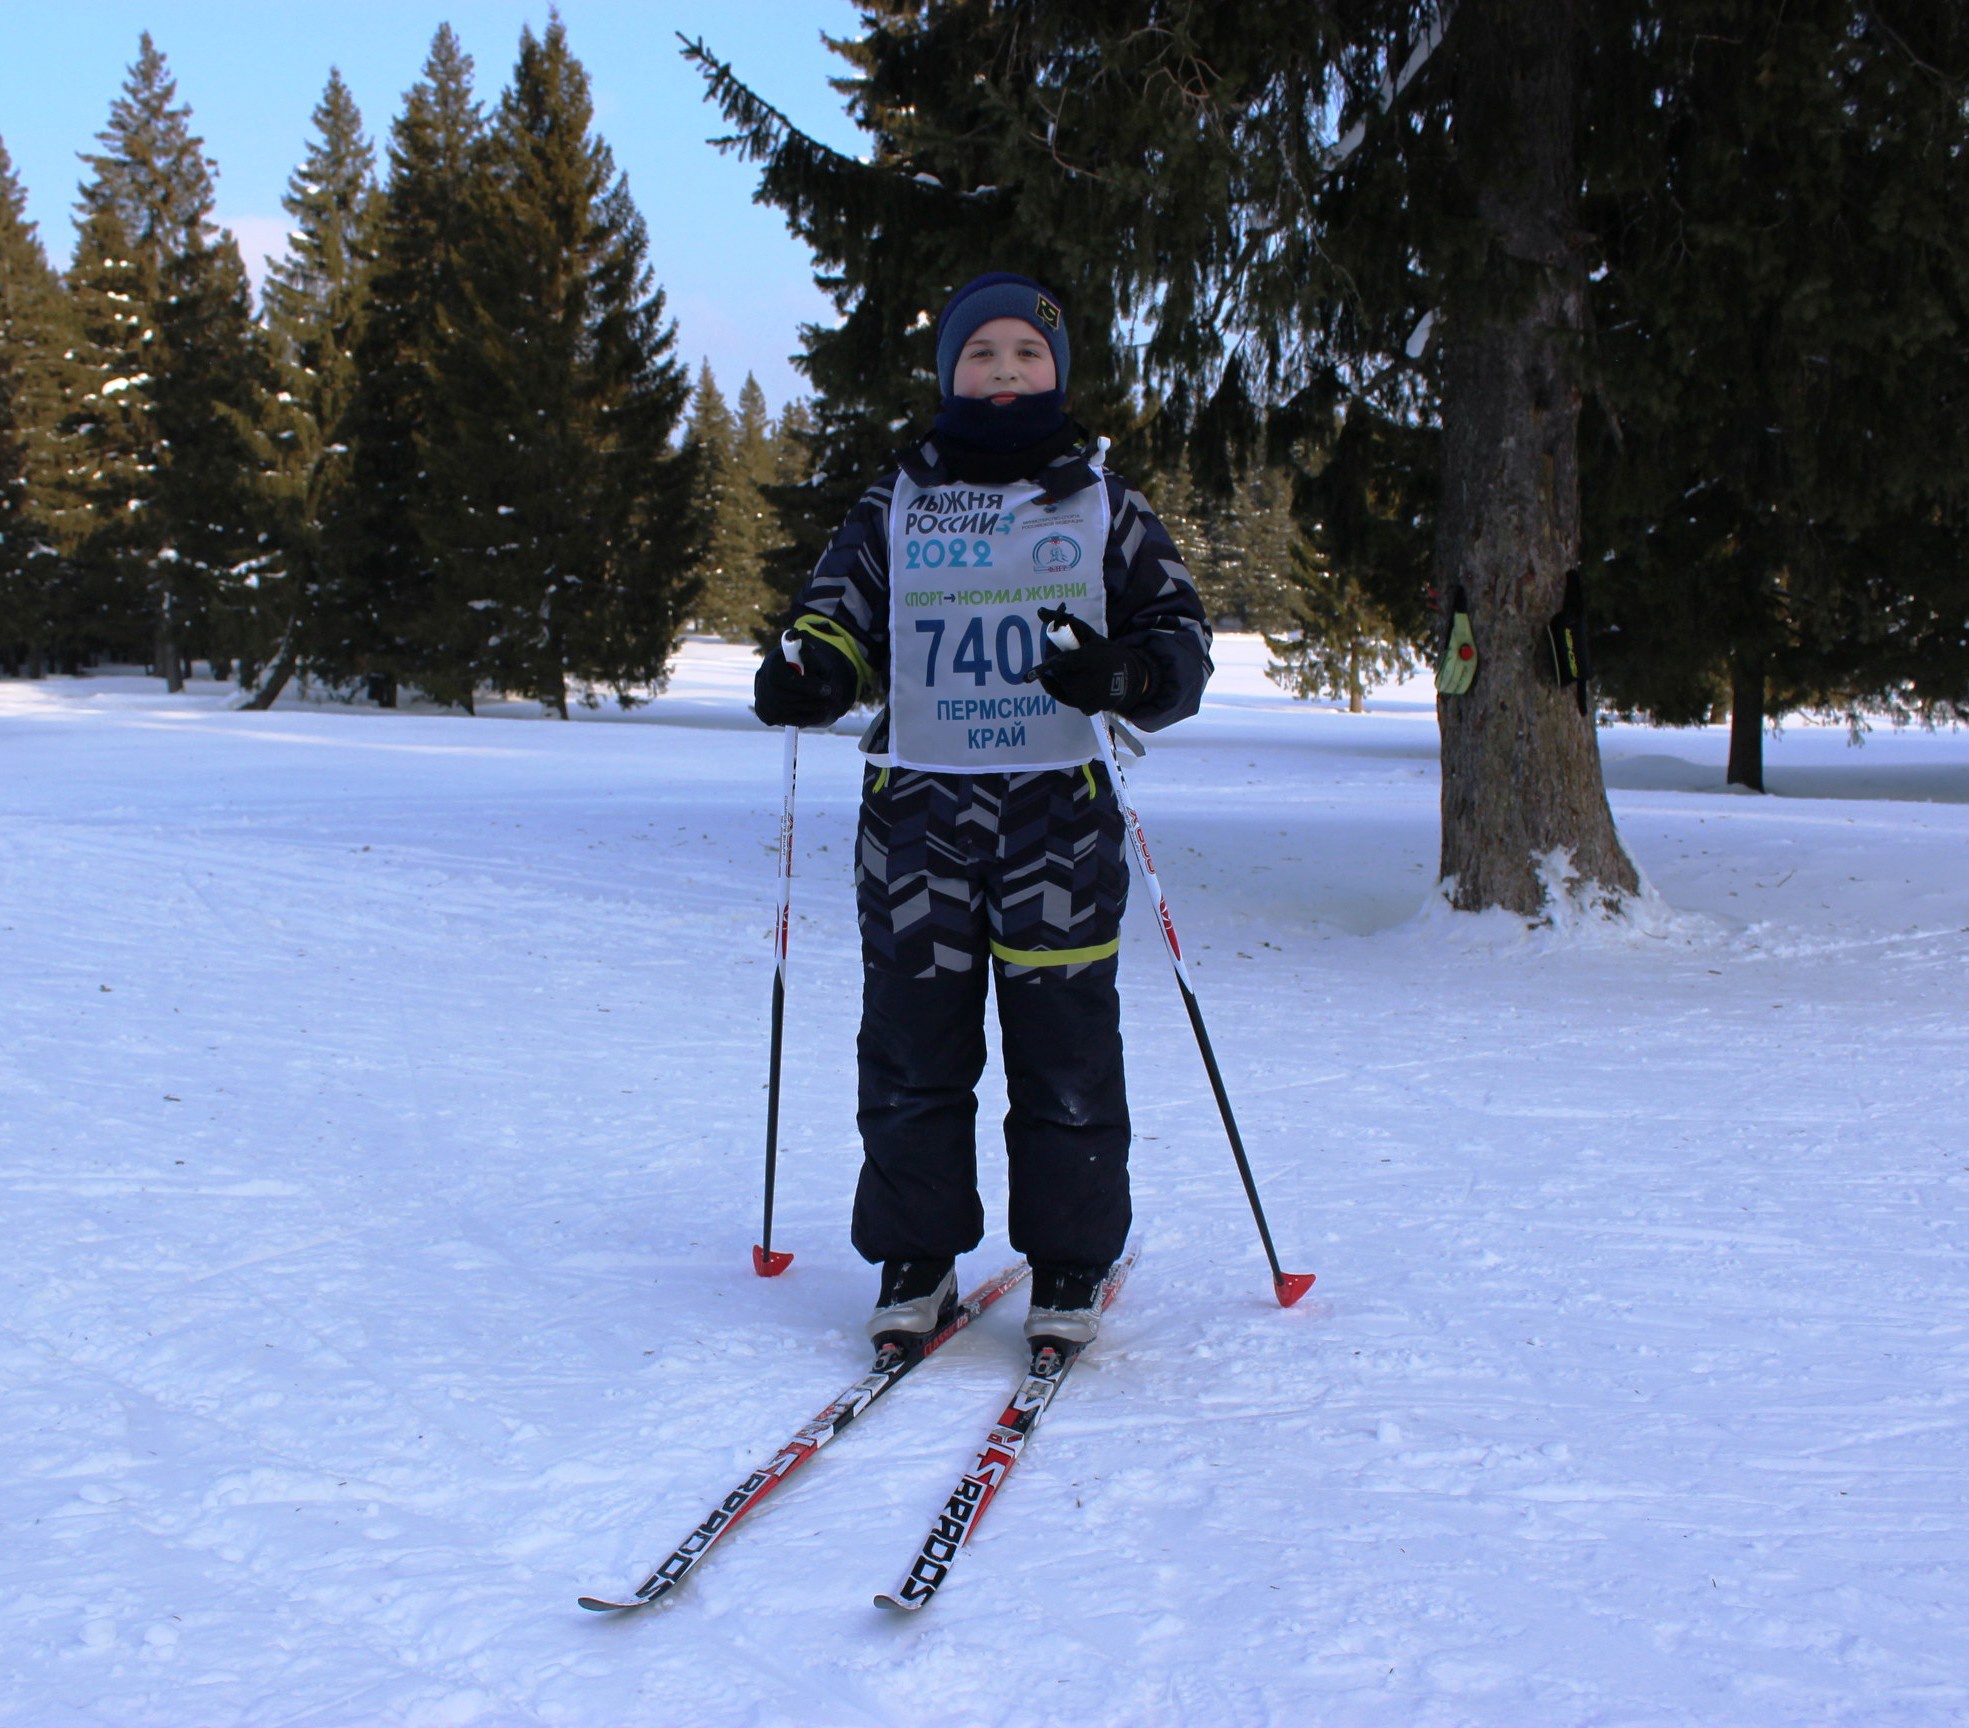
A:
(1152, 603)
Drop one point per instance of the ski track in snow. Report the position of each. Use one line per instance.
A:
(384, 1104)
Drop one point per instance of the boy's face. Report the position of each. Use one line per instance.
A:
(1005, 358)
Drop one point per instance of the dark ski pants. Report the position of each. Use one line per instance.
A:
(963, 884)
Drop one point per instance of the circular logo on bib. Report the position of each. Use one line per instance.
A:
(1055, 553)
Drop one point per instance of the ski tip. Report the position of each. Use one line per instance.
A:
(1290, 1286)
(770, 1263)
(883, 1599)
(599, 1605)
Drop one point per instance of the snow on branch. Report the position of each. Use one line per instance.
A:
(765, 132)
(1392, 87)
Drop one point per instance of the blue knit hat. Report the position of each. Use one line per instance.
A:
(999, 294)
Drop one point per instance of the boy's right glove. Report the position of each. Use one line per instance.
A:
(817, 692)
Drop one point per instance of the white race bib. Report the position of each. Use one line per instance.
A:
(969, 568)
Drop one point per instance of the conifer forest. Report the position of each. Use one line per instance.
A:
(1411, 317)
(448, 451)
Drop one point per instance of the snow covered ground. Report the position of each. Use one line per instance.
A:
(382, 1114)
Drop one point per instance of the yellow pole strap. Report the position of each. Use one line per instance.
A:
(826, 630)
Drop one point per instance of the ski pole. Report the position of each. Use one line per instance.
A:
(764, 1261)
(1287, 1286)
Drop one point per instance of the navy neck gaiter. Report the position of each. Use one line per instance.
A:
(982, 424)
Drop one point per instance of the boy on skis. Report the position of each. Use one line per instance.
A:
(989, 839)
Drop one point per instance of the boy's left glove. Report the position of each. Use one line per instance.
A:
(1096, 676)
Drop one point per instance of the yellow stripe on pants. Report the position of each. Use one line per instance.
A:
(1056, 956)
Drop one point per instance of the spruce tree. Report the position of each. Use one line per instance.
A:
(159, 439)
(1779, 459)
(788, 495)
(1278, 200)
(374, 616)
(754, 526)
(792, 445)
(316, 298)
(736, 457)
(1408, 239)
(109, 451)
(710, 441)
(19, 541)
(892, 237)
(130, 224)
(1237, 543)
(212, 397)
(559, 518)
(1338, 641)
(35, 593)
(1366, 496)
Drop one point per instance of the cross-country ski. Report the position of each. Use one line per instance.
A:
(892, 1362)
(1052, 1361)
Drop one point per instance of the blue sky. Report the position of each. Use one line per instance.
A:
(739, 285)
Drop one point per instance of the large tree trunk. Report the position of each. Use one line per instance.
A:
(557, 674)
(1746, 720)
(169, 661)
(1521, 764)
(283, 669)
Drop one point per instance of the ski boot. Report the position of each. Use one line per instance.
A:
(1066, 1307)
(917, 1300)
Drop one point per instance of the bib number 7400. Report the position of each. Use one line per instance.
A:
(1013, 644)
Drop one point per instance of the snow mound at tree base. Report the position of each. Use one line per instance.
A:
(1579, 913)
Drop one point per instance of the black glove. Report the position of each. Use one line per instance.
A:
(1572, 659)
(1096, 676)
(817, 692)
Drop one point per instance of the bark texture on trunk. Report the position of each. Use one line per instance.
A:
(1746, 721)
(170, 662)
(1521, 764)
(283, 669)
